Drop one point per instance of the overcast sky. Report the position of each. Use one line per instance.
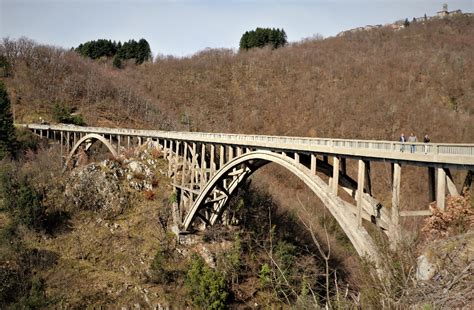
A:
(182, 27)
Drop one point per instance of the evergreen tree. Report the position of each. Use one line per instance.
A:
(7, 129)
(261, 37)
(406, 23)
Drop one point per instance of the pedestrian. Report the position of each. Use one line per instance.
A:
(412, 138)
(426, 140)
(402, 141)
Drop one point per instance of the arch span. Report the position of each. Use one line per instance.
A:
(210, 203)
(90, 139)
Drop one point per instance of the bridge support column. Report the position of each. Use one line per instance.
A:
(297, 158)
(170, 157)
(118, 144)
(313, 163)
(221, 156)
(212, 160)
(231, 152)
(192, 171)
(395, 233)
(335, 175)
(441, 189)
(62, 147)
(360, 190)
(431, 184)
(203, 165)
(68, 142)
(176, 160)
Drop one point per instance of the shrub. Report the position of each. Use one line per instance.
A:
(159, 274)
(20, 198)
(206, 286)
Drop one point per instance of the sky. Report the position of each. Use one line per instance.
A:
(184, 27)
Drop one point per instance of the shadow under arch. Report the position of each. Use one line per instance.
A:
(215, 194)
(89, 140)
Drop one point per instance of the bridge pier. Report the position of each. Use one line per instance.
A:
(441, 189)
(395, 231)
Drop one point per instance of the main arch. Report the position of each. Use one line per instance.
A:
(89, 140)
(211, 202)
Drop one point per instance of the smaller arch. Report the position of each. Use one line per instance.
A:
(92, 137)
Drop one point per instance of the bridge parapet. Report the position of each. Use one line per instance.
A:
(426, 154)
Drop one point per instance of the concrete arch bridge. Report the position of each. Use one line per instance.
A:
(207, 169)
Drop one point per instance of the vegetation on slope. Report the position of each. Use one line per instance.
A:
(370, 85)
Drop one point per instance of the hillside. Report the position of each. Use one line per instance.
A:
(370, 85)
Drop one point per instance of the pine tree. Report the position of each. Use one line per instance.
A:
(7, 129)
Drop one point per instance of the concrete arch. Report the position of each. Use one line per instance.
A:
(359, 237)
(90, 139)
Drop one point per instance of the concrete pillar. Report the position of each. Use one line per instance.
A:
(62, 146)
(239, 151)
(313, 163)
(221, 156)
(297, 158)
(140, 143)
(118, 144)
(395, 227)
(110, 139)
(128, 142)
(203, 165)
(170, 157)
(185, 163)
(230, 148)
(212, 159)
(431, 184)
(176, 161)
(193, 169)
(335, 175)
(360, 190)
(165, 149)
(441, 189)
(68, 142)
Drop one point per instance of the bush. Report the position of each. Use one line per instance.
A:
(159, 274)
(206, 286)
(20, 198)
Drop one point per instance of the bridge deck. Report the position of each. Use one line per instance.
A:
(431, 154)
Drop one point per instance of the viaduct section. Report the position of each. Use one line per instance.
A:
(207, 168)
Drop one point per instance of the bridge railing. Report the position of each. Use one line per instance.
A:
(374, 148)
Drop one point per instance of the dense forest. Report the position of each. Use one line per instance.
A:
(139, 51)
(65, 246)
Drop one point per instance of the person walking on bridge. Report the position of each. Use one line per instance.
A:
(412, 138)
(426, 140)
(402, 141)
